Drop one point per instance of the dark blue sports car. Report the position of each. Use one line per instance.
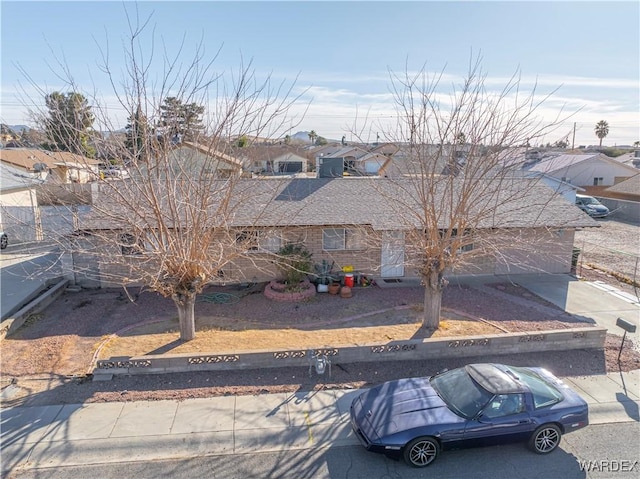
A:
(477, 405)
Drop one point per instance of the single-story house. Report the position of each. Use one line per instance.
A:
(357, 160)
(275, 159)
(594, 172)
(352, 222)
(58, 167)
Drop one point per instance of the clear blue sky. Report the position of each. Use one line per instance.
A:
(342, 51)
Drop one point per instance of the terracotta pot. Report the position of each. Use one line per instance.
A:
(334, 288)
(345, 292)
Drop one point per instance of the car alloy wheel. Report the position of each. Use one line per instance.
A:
(3, 242)
(545, 439)
(421, 452)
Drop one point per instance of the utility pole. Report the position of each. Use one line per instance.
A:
(573, 141)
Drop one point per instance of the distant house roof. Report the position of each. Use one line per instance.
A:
(562, 162)
(347, 151)
(211, 152)
(365, 201)
(257, 153)
(27, 158)
(630, 186)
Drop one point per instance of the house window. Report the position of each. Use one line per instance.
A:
(598, 181)
(465, 248)
(259, 241)
(129, 245)
(334, 239)
(454, 233)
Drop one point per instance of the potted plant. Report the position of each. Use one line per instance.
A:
(323, 275)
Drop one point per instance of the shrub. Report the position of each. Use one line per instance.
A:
(294, 261)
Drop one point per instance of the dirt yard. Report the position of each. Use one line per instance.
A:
(48, 359)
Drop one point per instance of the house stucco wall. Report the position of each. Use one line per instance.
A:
(583, 173)
(521, 251)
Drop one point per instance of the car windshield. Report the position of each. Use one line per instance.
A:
(460, 392)
(590, 201)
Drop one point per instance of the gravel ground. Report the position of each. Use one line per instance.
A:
(45, 368)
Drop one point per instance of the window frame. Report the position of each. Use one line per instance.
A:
(351, 239)
(259, 240)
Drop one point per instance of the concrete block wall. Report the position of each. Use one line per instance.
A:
(454, 347)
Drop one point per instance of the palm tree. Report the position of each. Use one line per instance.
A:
(312, 136)
(602, 130)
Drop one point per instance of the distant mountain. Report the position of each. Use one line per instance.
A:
(19, 128)
(302, 136)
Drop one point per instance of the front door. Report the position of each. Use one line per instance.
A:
(392, 260)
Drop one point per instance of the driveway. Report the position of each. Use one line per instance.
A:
(594, 301)
(25, 270)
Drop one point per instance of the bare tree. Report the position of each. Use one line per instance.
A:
(451, 197)
(167, 226)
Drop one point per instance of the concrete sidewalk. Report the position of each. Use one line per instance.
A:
(50, 436)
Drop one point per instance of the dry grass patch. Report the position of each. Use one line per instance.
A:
(162, 337)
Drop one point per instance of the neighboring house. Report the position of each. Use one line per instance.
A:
(350, 222)
(357, 160)
(594, 172)
(567, 190)
(19, 212)
(427, 159)
(56, 167)
(275, 159)
(631, 159)
(204, 159)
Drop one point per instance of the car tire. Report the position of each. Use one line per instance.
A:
(545, 439)
(4, 241)
(421, 451)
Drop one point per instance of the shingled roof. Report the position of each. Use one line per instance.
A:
(364, 201)
(630, 186)
(28, 157)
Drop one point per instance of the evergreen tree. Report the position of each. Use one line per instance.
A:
(69, 123)
(137, 135)
(178, 118)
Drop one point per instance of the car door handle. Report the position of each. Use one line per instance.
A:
(524, 421)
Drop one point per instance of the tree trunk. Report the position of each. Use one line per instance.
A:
(186, 315)
(433, 285)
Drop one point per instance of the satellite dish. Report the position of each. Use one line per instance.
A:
(40, 167)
